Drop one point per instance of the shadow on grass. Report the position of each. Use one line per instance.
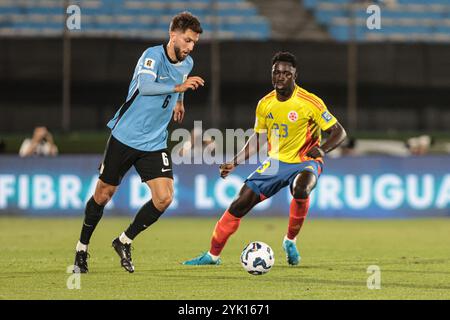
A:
(301, 281)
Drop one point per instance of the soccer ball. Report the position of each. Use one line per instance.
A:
(257, 258)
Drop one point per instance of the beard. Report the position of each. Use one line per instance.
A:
(286, 90)
(178, 53)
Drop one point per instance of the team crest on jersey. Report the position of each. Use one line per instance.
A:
(149, 63)
(293, 116)
(326, 116)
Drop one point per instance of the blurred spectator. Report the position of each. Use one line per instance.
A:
(41, 144)
(382, 147)
(419, 145)
(414, 146)
(361, 147)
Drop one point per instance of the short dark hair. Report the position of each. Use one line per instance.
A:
(185, 20)
(285, 57)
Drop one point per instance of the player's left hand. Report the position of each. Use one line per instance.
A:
(316, 152)
(178, 112)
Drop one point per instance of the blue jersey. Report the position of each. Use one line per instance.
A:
(141, 122)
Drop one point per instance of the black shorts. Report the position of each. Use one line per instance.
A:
(119, 158)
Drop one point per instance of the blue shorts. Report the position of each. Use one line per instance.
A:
(273, 175)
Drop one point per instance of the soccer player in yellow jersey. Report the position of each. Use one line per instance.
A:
(291, 120)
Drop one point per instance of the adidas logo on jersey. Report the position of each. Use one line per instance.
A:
(269, 116)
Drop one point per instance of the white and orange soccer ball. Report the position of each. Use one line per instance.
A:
(257, 258)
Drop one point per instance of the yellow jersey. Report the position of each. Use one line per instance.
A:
(293, 126)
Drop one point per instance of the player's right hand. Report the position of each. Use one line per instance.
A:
(191, 83)
(225, 169)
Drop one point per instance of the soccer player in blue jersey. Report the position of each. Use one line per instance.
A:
(139, 136)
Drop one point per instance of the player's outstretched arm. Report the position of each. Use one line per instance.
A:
(251, 147)
(336, 136)
(149, 87)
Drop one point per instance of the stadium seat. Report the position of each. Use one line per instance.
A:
(402, 20)
(148, 18)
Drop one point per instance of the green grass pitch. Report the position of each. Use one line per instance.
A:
(413, 256)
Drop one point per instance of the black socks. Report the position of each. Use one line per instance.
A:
(145, 217)
(93, 214)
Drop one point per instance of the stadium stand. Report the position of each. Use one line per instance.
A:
(237, 19)
(290, 20)
(401, 20)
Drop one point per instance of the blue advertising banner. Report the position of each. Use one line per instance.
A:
(372, 187)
